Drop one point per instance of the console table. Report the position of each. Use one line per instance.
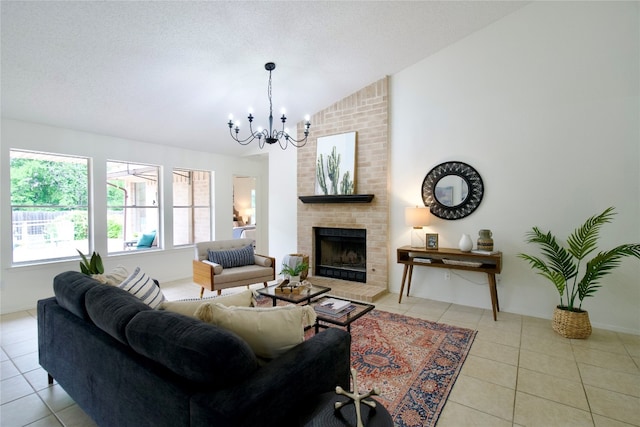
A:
(454, 259)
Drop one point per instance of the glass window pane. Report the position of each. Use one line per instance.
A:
(133, 206)
(49, 206)
(191, 206)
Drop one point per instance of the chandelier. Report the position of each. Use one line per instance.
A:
(271, 136)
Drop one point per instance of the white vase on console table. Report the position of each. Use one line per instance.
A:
(465, 244)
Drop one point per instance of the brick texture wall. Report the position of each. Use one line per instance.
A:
(367, 113)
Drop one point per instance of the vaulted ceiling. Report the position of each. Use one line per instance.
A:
(171, 72)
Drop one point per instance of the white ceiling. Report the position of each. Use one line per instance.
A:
(171, 72)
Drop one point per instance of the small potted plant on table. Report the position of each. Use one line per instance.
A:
(562, 265)
(292, 276)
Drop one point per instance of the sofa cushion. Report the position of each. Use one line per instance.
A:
(232, 257)
(143, 287)
(269, 331)
(188, 307)
(70, 288)
(194, 350)
(112, 308)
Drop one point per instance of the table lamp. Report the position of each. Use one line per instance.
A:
(417, 218)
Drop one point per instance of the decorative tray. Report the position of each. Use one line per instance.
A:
(296, 288)
(464, 263)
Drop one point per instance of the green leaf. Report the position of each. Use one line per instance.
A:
(603, 264)
(99, 268)
(584, 239)
(84, 269)
(556, 277)
(559, 258)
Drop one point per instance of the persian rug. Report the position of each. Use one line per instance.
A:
(413, 363)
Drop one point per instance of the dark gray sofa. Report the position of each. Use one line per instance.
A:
(126, 364)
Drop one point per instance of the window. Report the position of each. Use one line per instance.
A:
(191, 206)
(133, 211)
(49, 205)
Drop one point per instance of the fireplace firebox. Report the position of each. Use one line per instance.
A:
(341, 253)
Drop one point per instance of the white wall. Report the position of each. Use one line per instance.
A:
(283, 203)
(22, 286)
(544, 105)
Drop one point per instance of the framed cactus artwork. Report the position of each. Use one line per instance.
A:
(336, 164)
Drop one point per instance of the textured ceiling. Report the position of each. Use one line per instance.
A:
(171, 72)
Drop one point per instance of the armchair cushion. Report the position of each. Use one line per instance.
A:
(217, 268)
(233, 257)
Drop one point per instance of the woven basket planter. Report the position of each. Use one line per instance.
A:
(571, 324)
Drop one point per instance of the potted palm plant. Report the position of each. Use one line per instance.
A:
(562, 267)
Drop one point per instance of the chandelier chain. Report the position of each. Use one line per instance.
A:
(269, 95)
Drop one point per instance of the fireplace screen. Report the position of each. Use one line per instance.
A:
(341, 253)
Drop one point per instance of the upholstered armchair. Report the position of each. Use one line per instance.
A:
(223, 264)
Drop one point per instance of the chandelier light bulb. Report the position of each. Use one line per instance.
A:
(270, 136)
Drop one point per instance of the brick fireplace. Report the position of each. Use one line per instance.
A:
(366, 113)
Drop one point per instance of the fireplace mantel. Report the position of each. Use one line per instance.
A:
(340, 198)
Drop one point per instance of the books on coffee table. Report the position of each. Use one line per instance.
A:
(334, 307)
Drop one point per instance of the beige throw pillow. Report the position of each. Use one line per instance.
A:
(270, 332)
(114, 277)
(189, 307)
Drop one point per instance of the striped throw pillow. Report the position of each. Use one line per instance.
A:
(140, 285)
(233, 257)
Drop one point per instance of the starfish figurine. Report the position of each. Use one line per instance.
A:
(356, 398)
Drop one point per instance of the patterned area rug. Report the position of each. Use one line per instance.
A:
(413, 362)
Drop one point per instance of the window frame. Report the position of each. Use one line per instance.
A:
(54, 226)
(191, 206)
(130, 240)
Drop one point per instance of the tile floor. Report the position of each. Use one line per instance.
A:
(518, 373)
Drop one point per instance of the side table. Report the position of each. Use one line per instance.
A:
(324, 414)
(453, 259)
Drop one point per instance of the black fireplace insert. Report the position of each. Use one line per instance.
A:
(341, 253)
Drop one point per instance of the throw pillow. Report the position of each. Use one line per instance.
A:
(233, 257)
(270, 332)
(189, 307)
(143, 287)
(112, 278)
(146, 240)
